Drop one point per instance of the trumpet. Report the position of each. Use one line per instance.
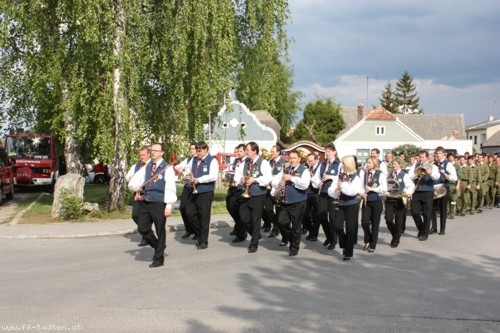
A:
(421, 171)
(246, 194)
(229, 177)
(188, 179)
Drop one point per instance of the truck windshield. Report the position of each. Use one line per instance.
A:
(28, 147)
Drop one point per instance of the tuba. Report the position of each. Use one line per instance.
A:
(229, 176)
(393, 192)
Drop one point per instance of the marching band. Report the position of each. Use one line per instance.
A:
(296, 194)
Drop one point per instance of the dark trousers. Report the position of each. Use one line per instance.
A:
(345, 224)
(233, 202)
(251, 214)
(149, 213)
(370, 221)
(290, 221)
(395, 214)
(199, 214)
(135, 212)
(311, 212)
(185, 198)
(440, 204)
(268, 215)
(421, 209)
(326, 216)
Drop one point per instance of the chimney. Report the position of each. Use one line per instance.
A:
(490, 118)
(456, 134)
(360, 111)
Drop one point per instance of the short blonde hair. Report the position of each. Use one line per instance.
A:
(349, 164)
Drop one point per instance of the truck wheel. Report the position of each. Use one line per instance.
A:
(99, 180)
(49, 188)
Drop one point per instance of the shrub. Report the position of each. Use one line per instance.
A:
(71, 205)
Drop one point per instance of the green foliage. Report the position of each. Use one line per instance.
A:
(321, 123)
(71, 205)
(387, 100)
(405, 97)
(408, 149)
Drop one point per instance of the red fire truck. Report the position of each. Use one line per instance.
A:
(6, 179)
(34, 159)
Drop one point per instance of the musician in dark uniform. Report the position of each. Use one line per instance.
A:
(374, 185)
(423, 174)
(447, 173)
(292, 183)
(205, 170)
(328, 172)
(311, 213)
(269, 215)
(186, 192)
(156, 192)
(143, 160)
(395, 208)
(346, 188)
(256, 176)
(233, 198)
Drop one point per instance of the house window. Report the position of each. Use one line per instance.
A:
(380, 130)
(362, 154)
(475, 139)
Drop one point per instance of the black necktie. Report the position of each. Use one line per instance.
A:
(153, 169)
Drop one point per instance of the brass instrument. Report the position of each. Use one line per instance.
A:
(280, 194)
(393, 192)
(188, 179)
(246, 194)
(229, 176)
(265, 154)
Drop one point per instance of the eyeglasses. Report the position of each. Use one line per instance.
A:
(156, 150)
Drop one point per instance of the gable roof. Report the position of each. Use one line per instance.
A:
(493, 141)
(427, 126)
(483, 125)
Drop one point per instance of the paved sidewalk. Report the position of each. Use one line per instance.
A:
(94, 229)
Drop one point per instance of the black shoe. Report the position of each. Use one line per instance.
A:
(143, 243)
(471, 213)
(451, 216)
(156, 263)
(327, 242)
(267, 229)
(293, 253)
(442, 233)
(283, 243)
(479, 211)
(186, 235)
(432, 231)
(273, 234)
(394, 245)
(202, 246)
(346, 258)
(304, 231)
(232, 233)
(462, 214)
(197, 244)
(422, 238)
(420, 234)
(252, 249)
(313, 239)
(331, 246)
(196, 237)
(237, 240)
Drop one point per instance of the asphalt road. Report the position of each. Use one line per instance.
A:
(103, 284)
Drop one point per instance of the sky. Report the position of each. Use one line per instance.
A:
(350, 49)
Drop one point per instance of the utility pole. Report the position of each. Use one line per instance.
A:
(368, 77)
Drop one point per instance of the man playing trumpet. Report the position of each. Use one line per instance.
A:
(292, 182)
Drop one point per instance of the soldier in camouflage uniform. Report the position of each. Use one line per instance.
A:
(452, 198)
(473, 184)
(490, 182)
(482, 177)
(464, 195)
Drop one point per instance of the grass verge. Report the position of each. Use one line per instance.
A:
(40, 213)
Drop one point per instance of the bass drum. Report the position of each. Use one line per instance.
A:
(439, 191)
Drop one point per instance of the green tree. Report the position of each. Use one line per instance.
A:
(321, 123)
(387, 99)
(264, 78)
(405, 96)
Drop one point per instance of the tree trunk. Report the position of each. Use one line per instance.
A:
(72, 148)
(115, 198)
